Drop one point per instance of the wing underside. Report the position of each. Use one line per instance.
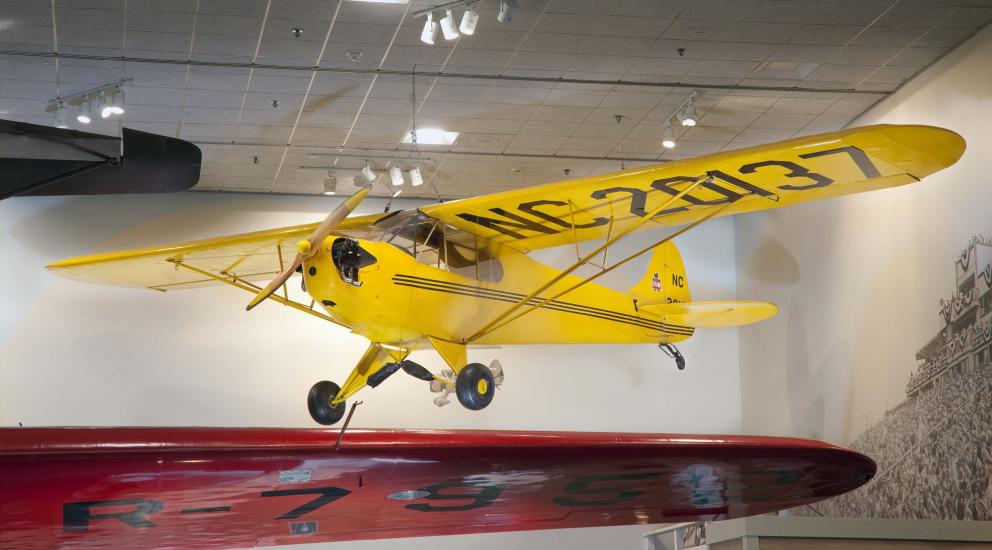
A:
(257, 256)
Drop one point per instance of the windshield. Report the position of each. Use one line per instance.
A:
(433, 243)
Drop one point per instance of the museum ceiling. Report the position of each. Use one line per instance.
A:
(280, 94)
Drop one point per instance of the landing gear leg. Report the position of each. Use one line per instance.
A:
(673, 352)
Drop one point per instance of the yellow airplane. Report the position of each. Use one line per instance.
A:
(457, 274)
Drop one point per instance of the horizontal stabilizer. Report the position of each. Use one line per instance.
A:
(713, 314)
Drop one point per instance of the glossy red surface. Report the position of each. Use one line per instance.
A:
(237, 487)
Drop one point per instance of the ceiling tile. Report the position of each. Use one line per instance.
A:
(724, 68)
(782, 121)
(849, 13)
(825, 35)
(727, 10)
(917, 57)
(783, 11)
(890, 36)
(914, 15)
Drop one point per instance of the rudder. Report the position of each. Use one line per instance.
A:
(665, 281)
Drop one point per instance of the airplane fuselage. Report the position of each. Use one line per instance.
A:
(397, 299)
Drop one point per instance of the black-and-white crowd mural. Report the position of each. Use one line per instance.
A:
(934, 450)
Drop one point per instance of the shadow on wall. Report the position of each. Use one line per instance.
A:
(808, 385)
(70, 226)
(763, 258)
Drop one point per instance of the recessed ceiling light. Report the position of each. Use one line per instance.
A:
(431, 136)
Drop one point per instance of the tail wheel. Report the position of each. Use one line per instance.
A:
(475, 386)
(319, 403)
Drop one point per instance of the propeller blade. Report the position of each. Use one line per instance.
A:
(274, 284)
(308, 247)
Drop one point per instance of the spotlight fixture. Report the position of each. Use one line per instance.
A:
(448, 28)
(688, 115)
(117, 102)
(330, 184)
(111, 103)
(107, 99)
(469, 20)
(85, 115)
(507, 9)
(396, 175)
(668, 142)
(397, 193)
(416, 176)
(104, 105)
(430, 30)
(61, 116)
(366, 177)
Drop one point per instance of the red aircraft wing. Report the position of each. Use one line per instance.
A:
(237, 487)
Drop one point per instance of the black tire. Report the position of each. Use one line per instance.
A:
(475, 386)
(680, 362)
(319, 403)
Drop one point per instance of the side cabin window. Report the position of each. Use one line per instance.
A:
(442, 246)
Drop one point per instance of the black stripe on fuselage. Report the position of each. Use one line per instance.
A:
(555, 305)
(516, 297)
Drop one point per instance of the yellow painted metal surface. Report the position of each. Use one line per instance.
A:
(252, 256)
(768, 176)
(402, 302)
(714, 314)
(453, 353)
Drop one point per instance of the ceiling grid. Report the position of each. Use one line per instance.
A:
(530, 99)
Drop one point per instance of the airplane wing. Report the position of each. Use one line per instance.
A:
(744, 180)
(757, 178)
(241, 487)
(256, 256)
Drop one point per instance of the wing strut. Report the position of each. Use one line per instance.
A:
(488, 327)
(236, 282)
(492, 326)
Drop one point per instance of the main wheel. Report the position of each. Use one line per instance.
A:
(319, 403)
(475, 386)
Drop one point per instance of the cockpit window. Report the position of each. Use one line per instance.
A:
(349, 257)
(436, 244)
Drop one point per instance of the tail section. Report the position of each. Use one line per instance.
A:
(664, 290)
(665, 281)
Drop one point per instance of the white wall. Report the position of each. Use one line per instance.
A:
(112, 356)
(79, 354)
(858, 278)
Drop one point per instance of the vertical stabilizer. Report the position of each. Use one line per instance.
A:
(665, 281)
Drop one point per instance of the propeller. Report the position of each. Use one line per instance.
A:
(306, 248)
